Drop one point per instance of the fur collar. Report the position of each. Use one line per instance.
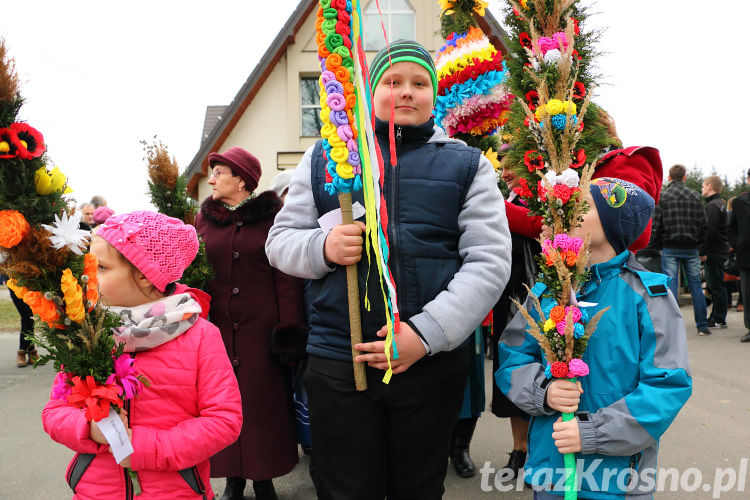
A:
(263, 206)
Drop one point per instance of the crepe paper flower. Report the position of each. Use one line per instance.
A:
(577, 368)
(65, 233)
(73, 297)
(557, 314)
(95, 398)
(570, 258)
(42, 307)
(561, 325)
(49, 182)
(533, 160)
(575, 55)
(13, 228)
(525, 39)
(561, 192)
(569, 177)
(447, 4)
(576, 27)
(546, 44)
(552, 57)
(561, 39)
(578, 331)
(31, 141)
(579, 158)
(580, 126)
(479, 7)
(575, 312)
(90, 264)
(524, 4)
(541, 190)
(579, 91)
(584, 316)
(532, 99)
(492, 156)
(62, 386)
(126, 376)
(549, 325)
(522, 189)
(559, 369)
(9, 143)
(555, 107)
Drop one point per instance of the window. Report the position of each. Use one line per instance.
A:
(398, 18)
(310, 107)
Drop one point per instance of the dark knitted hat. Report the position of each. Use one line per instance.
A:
(624, 210)
(241, 163)
(403, 50)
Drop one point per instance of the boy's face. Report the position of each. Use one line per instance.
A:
(412, 94)
(593, 225)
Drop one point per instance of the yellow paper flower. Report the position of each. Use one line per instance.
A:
(479, 7)
(58, 179)
(554, 106)
(446, 4)
(73, 296)
(42, 181)
(492, 156)
(549, 325)
(524, 4)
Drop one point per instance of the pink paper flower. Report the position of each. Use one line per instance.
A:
(576, 313)
(62, 386)
(561, 41)
(125, 376)
(546, 43)
(577, 368)
(561, 327)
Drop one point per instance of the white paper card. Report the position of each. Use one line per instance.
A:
(332, 218)
(587, 304)
(117, 435)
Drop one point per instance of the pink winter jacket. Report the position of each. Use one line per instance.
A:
(191, 410)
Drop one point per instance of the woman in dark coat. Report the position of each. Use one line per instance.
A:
(251, 302)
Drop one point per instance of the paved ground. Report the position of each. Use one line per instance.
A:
(712, 431)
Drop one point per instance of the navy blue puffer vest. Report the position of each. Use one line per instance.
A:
(424, 193)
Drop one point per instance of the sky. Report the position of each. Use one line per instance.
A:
(99, 77)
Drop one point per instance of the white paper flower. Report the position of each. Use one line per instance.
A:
(552, 56)
(569, 177)
(65, 233)
(551, 177)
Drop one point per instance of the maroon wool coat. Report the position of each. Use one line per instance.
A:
(249, 300)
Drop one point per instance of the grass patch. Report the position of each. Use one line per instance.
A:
(10, 321)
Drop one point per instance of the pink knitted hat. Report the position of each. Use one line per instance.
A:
(161, 247)
(102, 213)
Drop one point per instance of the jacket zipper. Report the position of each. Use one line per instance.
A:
(392, 222)
(73, 468)
(200, 481)
(128, 483)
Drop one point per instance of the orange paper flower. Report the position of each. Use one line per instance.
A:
(45, 309)
(13, 228)
(557, 314)
(92, 287)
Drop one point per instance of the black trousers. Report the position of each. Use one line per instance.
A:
(390, 440)
(745, 288)
(27, 322)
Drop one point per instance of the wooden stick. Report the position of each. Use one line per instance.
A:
(352, 286)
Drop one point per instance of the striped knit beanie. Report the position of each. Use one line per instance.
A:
(403, 50)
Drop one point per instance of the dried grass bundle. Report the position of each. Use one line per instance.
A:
(162, 170)
(8, 77)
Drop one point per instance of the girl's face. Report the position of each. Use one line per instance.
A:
(225, 186)
(118, 286)
(412, 94)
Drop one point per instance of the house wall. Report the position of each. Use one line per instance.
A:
(271, 123)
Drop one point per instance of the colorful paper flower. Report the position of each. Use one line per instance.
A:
(559, 369)
(30, 139)
(561, 192)
(577, 368)
(579, 91)
(522, 189)
(126, 376)
(95, 398)
(533, 160)
(73, 297)
(13, 228)
(579, 159)
(525, 39)
(576, 27)
(90, 264)
(65, 233)
(557, 314)
(578, 331)
(50, 182)
(532, 99)
(9, 143)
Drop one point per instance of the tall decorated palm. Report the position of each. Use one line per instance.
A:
(472, 99)
(168, 190)
(556, 135)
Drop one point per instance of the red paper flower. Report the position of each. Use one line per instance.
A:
(9, 143)
(30, 139)
(559, 369)
(523, 190)
(96, 398)
(562, 192)
(580, 126)
(575, 55)
(533, 160)
(526, 121)
(579, 159)
(525, 40)
(532, 98)
(579, 91)
(575, 26)
(540, 189)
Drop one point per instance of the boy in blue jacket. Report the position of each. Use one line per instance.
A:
(450, 259)
(639, 375)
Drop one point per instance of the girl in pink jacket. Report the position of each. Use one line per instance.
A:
(191, 409)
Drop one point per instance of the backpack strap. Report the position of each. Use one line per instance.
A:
(82, 462)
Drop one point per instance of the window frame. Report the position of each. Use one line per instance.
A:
(387, 12)
(303, 106)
